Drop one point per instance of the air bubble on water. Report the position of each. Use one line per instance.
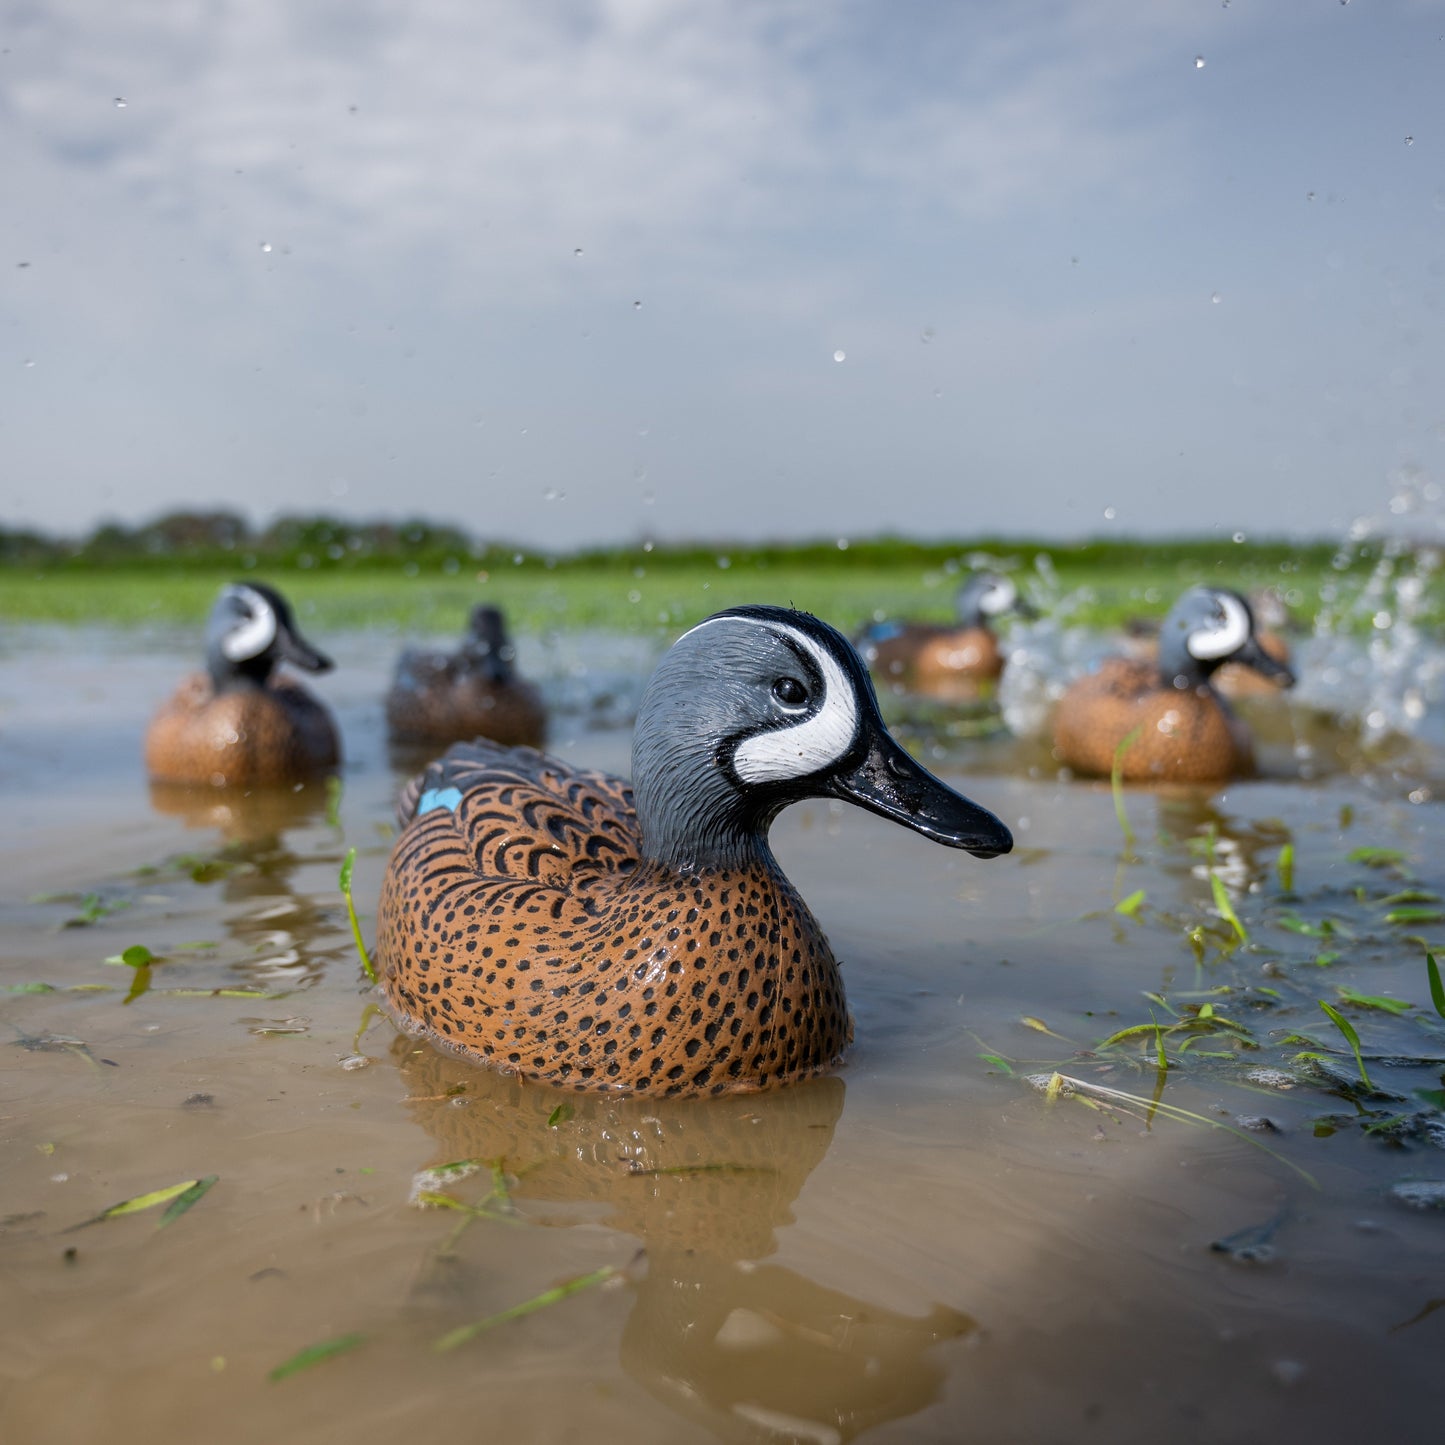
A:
(840, 355)
(1199, 62)
(1110, 513)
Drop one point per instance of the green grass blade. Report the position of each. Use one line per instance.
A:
(139, 1203)
(314, 1354)
(560, 1115)
(1131, 905)
(1437, 989)
(1226, 908)
(1351, 1038)
(464, 1333)
(1372, 1000)
(1286, 868)
(347, 864)
(192, 1196)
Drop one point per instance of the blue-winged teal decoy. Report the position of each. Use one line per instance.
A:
(956, 661)
(566, 926)
(241, 723)
(1183, 730)
(445, 697)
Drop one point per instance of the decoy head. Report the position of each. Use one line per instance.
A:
(986, 596)
(251, 630)
(757, 708)
(487, 646)
(1207, 627)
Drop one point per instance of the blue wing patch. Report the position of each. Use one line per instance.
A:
(434, 798)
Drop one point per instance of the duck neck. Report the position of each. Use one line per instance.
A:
(701, 834)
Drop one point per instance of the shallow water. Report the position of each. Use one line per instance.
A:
(923, 1247)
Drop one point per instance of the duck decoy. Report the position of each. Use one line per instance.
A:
(1271, 618)
(570, 927)
(241, 723)
(957, 661)
(444, 697)
(1177, 726)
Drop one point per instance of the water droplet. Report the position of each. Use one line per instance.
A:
(840, 356)
(1215, 298)
(1309, 195)
(1239, 537)
(340, 487)
(928, 335)
(554, 494)
(842, 544)
(28, 363)
(265, 245)
(577, 251)
(634, 596)
(1199, 62)
(649, 498)
(637, 306)
(1110, 513)
(725, 562)
(1381, 620)
(518, 558)
(120, 102)
(1409, 140)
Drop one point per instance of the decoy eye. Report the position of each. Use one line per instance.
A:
(790, 692)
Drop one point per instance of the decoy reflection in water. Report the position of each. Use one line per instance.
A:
(747, 1348)
(959, 661)
(241, 723)
(567, 926)
(444, 697)
(1182, 729)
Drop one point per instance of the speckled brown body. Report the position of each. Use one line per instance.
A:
(245, 736)
(1185, 735)
(957, 664)
(525, 928)
(442, 703)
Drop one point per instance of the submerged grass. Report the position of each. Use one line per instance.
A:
(181, 1197)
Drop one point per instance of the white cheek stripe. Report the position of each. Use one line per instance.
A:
(999, 598)
(252, 638)
(1222, 641)
(811, 745)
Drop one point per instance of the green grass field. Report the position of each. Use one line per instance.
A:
(1098, 584)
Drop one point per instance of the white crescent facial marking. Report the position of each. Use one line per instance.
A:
(254, 635)
(1209, 643)
(816, 742)
(999, 598)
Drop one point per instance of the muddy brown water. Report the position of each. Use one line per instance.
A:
(922, 1247)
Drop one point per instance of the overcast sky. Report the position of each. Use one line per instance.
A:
(575, 272)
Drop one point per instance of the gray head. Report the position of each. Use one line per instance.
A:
(1207, 627)
(249, 632)
(986, 596)
(488, 648)
(757, 708)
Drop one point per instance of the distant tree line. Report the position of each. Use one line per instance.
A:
(223, 540)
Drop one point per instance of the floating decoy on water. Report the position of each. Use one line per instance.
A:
(1271, 617)
(1182, 730)
(241, 723)
(444, 697)
(570, 927)
(957, 661)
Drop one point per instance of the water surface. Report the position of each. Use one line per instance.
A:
(922, 1247)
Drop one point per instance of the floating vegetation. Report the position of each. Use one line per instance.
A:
(1351, 1038)
(1131, 905)
(347, 864)
(181, 1197)
(464, 1333)
(93, 909)
(315, 1354)
(1056, 1085)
